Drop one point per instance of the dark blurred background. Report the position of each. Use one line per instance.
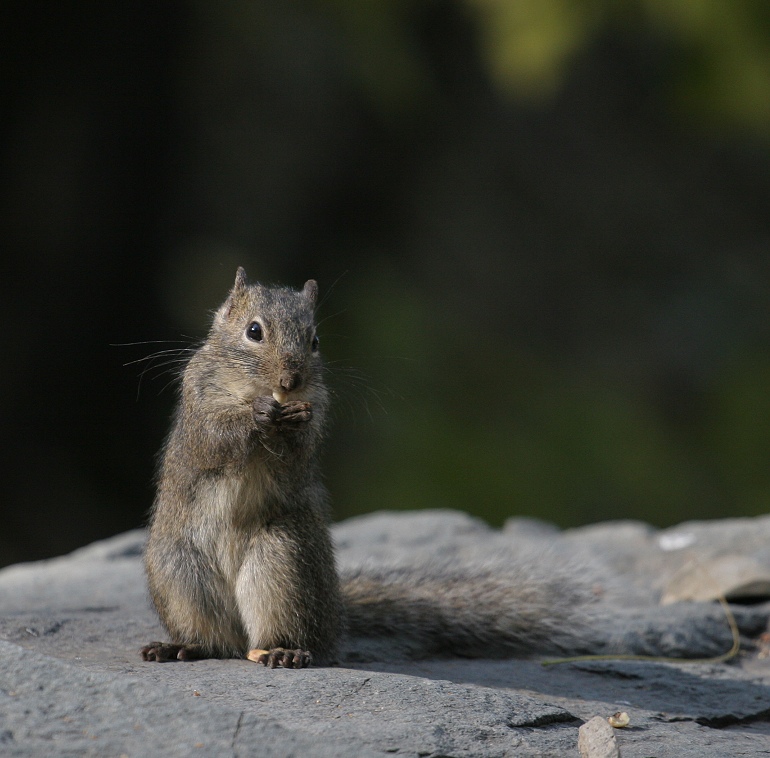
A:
(541, 230)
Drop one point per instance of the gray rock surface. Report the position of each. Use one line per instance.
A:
(72, 683)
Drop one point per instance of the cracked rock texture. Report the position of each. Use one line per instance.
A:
(72, 682)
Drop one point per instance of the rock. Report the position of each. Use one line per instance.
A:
(72, 682)
(596, 739)
(729, 576)
(50, 708)
(648, 561)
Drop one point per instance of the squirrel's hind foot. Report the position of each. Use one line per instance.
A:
(278, 656)
(166, 651)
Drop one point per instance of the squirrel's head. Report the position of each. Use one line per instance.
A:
(268, 335)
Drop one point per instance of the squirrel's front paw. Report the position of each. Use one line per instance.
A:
(294, 413)
(272, 416)
(266, 410)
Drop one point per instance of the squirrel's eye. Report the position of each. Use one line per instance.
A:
(314, 343)
(254, 331)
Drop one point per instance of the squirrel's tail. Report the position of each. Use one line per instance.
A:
(476, 609)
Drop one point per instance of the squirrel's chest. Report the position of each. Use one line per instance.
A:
(239, 498)
(237, 506)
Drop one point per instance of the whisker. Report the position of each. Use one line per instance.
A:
(160, 353)
(169, 360)
(332, 315)
(147, 342)
(329, 291)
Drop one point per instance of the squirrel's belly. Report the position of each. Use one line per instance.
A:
(235, 508)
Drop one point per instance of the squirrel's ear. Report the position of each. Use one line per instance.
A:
(240, 279)
(310, 290)
(235, 293)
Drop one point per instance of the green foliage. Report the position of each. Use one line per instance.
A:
(718, 52)
(529, 44)
(736, 432)
(462, 421)
(526, 439)
(723, 72)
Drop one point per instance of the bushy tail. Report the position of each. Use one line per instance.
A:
(486, 609)
(542, 604)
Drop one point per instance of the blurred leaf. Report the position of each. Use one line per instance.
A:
(719, 52)
(528, 44)
(724, 72)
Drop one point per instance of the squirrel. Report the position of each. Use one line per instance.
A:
(239, 556)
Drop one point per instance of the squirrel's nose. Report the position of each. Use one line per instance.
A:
(290, 380)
